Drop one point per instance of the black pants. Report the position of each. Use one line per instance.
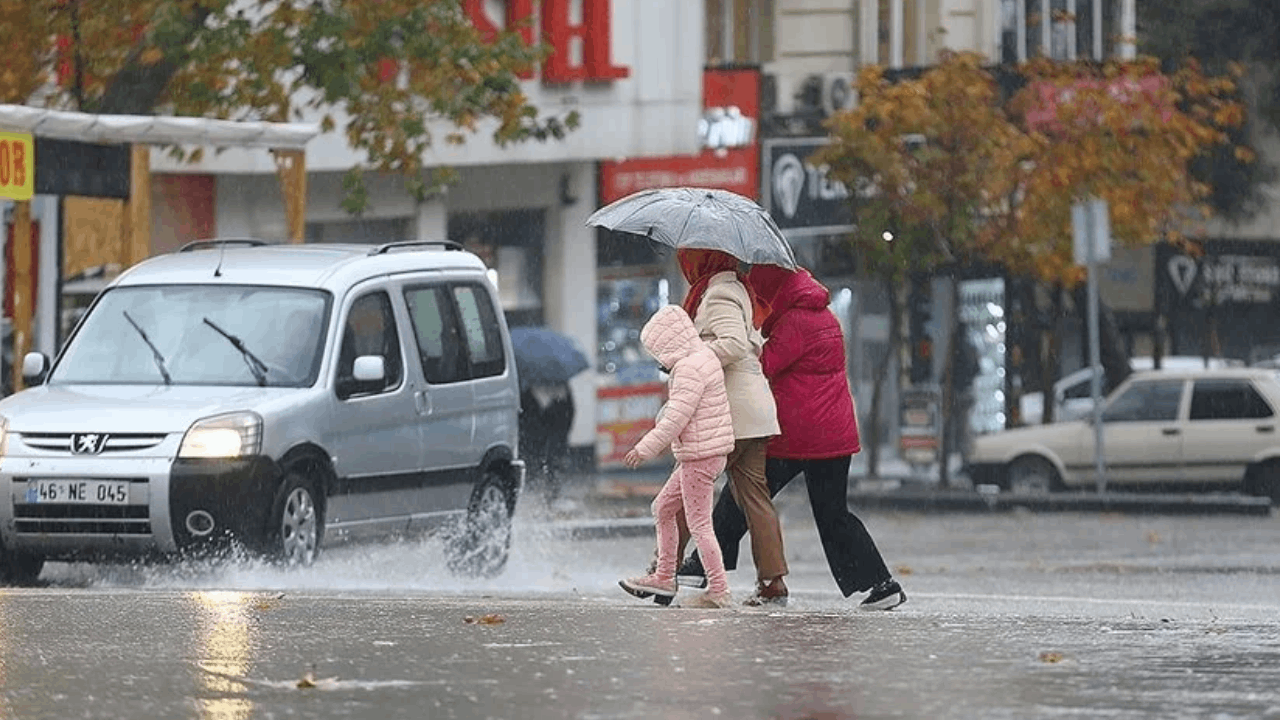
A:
(854, 559)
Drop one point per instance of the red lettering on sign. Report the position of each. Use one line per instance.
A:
(19, 164)
(558, 32)
(4, 163)
(597, 63)
(519, 16)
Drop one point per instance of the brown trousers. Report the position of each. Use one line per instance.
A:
(745, 468)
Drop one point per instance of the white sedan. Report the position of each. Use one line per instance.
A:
(1214, 429)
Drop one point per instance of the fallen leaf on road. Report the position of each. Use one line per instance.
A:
(1051, 656)
(1153, 537)
(309, 680)
(903, 570)
(490, 619)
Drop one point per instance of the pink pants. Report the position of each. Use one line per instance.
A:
(691, 489)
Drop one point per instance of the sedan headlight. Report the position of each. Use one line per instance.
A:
(223, 436)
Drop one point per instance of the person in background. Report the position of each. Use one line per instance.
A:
(546, 418)
(696, 424)
(804, 359)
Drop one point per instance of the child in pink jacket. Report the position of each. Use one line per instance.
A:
(696, 424)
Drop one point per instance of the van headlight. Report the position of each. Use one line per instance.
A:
(232, 435)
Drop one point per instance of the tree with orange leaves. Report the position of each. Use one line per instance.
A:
(930, 158)
(393, 67)
(971, 177)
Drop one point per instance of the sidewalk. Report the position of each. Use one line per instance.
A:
(615, 501)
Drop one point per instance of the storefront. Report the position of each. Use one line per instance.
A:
(522, 207)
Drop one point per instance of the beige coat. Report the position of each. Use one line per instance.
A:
(724, 321)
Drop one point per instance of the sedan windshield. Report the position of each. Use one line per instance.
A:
(199, 335)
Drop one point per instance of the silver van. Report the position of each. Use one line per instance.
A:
(269, 397)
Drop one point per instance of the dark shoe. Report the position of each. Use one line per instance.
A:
(885, 596)
(691, 573)
(768, 592)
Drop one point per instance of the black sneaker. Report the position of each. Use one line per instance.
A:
(885, 596)
(691, 573)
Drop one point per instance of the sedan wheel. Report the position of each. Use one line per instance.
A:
(1032, 476)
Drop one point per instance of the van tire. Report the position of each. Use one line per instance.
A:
(19, 569)
(481, 545)
(296, 522)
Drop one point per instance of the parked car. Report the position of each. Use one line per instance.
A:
(271, 397)
(1073, 393)
(1199, 428)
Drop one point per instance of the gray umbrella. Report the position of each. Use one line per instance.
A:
(700, 218)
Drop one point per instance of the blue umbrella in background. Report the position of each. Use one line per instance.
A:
(546, 357)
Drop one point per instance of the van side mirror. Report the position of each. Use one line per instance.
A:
(369, 368)
(34, 367)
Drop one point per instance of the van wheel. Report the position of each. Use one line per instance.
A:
(19, 569)
(1032, 475)
(297, 522)
(482, 544)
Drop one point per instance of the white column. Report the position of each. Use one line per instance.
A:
(1046, 29)
(1128, 30)
(1097, 30)
(869, 31)
(922, 35)
(430, 220)
(569, 286)
(44, 209)
(896, 33)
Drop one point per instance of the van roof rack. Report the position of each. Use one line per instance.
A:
(205, 244)
(387, 247)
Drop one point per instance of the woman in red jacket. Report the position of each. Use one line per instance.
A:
(804, 361)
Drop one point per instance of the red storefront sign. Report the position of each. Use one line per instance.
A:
(560, 32)
(730, 157)
(625, 413)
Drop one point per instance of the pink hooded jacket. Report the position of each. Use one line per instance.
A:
(695, 422)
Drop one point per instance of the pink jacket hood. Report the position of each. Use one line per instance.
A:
(669, 335)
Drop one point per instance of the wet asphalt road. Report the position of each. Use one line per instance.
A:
(1011, 616)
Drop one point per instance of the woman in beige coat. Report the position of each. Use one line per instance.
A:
(727, 317)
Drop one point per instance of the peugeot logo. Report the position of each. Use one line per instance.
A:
(88, 443)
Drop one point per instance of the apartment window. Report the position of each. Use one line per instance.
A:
(1060, 29)
(739, 31)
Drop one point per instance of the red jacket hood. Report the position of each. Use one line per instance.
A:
(798, 290)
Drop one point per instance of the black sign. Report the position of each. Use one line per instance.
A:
(70, 167)
(798, 194)
(1228, 273)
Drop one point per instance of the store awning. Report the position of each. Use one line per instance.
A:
(155, 130)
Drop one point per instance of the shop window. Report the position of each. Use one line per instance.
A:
(510, 242)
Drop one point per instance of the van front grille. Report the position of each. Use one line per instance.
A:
(82, 519)
(116, 442)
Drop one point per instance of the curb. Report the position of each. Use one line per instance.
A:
(1127, 503)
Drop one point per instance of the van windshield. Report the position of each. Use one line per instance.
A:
(199, 335)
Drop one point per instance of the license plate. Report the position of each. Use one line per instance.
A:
(78, 492)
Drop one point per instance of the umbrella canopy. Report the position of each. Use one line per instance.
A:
(545, 357)
(700, 218)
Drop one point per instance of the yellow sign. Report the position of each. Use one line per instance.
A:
(17, 166)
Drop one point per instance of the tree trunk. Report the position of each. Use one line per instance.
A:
(875, 438)
(947, 441)
(1051, 360)
(139, 87)
(1115, 358)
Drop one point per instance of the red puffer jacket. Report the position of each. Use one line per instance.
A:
(804, 359)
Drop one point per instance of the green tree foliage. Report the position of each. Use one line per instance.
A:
(388, 70)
